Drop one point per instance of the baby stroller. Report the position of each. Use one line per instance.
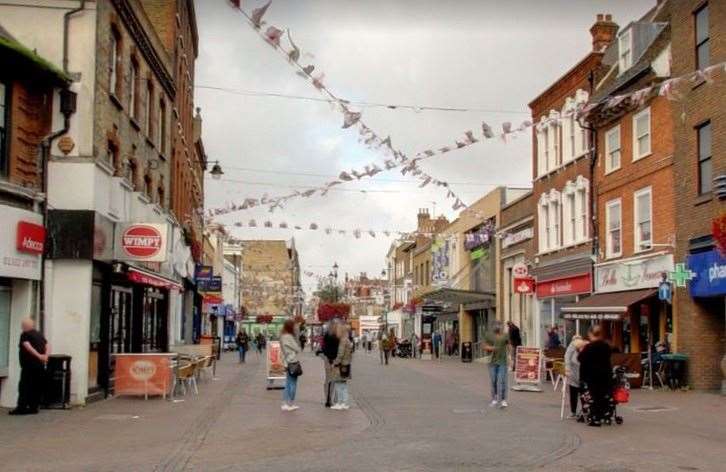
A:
(403, 349)
(618, 393)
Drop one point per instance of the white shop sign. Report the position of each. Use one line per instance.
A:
(510, 239)
(13, 263)
(632, 274)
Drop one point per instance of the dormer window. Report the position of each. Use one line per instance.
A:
(625, 50)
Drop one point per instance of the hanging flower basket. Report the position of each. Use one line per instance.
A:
(329, 311)
(264, 319)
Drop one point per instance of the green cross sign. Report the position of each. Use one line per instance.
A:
(681, 275)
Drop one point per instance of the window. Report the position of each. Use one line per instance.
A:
(149, 111)
(162, 126)
(614, 225)
(571, 136)
(705, 164)
(584, 206)
(625, 51)
(4, 122)
(572, 212)
(555, 219)
(641, 134)
(114, 64)
(612, 149)
(112, 155)
(643, 219)
(546, 147)
(133, 90)
(702, 38)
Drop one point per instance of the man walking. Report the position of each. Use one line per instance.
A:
(33, 358)
(515, 340)
(495, 344)
(243, 342)
(329, 350)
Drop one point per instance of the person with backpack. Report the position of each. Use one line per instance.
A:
(293, 369)
(341, 369)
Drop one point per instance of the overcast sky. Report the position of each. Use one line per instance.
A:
(492, 56)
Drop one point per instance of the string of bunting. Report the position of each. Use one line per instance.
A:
(398, 160)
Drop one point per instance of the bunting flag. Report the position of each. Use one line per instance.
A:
(258, 13)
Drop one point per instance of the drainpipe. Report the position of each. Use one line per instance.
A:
(66, 21)
(593, 198)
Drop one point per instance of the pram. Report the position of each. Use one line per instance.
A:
(403, 349)
(618, 393)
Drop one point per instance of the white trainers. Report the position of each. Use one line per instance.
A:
(285, 408)
(293, 407)
(345, 407)
(503, 404)
(493, 403)
(337, 406)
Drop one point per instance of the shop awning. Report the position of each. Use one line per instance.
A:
(144, 277)
(606, 306)
(461, 297)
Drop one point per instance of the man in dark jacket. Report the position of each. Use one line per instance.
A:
(515, 340)
(329, 350)
(33, 357)
(596, 373)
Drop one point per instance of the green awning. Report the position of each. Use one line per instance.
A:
(17, 51)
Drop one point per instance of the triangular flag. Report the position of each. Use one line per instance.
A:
(258, 13)
(470, 139)
(350, 118)
(486, 130)
(345, 176)
(273, 35)
(294, 53)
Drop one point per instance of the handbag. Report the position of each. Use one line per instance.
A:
(621, 395)
(294, 369)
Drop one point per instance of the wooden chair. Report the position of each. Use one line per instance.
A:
(186, 377)
(557, 373)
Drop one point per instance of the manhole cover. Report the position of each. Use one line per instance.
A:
(653, 409)
(117, 417)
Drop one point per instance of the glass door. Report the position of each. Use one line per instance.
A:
(119, 324)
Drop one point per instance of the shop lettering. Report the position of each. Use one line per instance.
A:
(716, 272)
(32, 245)
(141, 241)
(143, 370)
(631, 275)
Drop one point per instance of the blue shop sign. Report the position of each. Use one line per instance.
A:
(710, 269)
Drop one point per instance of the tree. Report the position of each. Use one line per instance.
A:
(329, 293)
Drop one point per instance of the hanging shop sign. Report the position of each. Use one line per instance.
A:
(632, 274)
(141, 242)
(520, 270)
(22, 241)
(524, 285)
(510, 239)
(576, 285)
(710, 274)
(212, 284)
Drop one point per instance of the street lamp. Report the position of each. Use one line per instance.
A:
(334, 275)
(216, 171)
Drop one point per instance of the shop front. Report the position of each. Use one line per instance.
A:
(707, 287)
(628, 304)
(553, 295)
(22, 241)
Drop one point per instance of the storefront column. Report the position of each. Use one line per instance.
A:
(465, 326)
(635, 331)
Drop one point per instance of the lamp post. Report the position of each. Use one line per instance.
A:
(334, 275)
(385, 308)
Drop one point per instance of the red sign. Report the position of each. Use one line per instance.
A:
(523, 285)
(567, 286)
(213, 299)
(30, 238)
(141, 241)
(151, 280)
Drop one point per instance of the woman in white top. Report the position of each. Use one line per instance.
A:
(290, 352)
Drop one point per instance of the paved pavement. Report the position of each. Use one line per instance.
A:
(408, 416)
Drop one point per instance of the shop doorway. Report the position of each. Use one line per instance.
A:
(154, 332)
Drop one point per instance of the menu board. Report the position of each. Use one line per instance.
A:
(528, 365)
(275, 365)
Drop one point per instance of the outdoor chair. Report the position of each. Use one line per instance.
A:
(186, 378)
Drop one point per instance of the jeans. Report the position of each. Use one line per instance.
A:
(242, 353)
(288, 395)
(498, 379)
(341, 392)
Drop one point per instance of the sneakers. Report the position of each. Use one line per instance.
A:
(286, 407)
(337, 406)
(493, 403)
(503, 404)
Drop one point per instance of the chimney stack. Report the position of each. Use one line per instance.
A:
(424, 219)
(603, 32)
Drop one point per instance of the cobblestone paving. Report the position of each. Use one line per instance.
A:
(408, 416)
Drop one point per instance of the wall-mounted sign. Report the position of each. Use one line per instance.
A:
(510, 239)
(212, 284)
(21, 243)
(30, 237)
(520, 269)
(576, 285)
(710, 274)
(141, 242)
(632, 275)
(524, 285)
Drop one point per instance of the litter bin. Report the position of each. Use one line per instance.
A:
(676, 367)
(57, 393)
(466, 352)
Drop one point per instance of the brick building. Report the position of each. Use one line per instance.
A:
(633, 181)
(698, 33)
(562, 187)
(516, 247)
(29, 84)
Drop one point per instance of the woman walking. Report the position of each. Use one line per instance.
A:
(495, 343)
(243, 342)
(341, 369)
(572, 371)
(290, 352)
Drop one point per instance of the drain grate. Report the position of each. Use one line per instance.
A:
(116, 417)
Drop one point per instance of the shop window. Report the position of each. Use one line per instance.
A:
(114, 63)
(703, 37)
(612, 149)
(705, 161)
(641, 134)
(643, 219)
(614, 228)
(4, 125)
